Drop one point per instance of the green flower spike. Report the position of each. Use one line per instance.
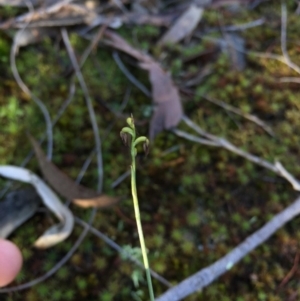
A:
(125, 134)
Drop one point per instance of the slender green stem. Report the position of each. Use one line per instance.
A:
(134, 142)
(139, 227)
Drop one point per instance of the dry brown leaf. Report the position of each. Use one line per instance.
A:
(66, 186)
(28, 36)
(58, 14)
(184, 26)
(141, 19)
(119, 43)
(235, 45)
(163, 88)
(17, 207)
(165, 95)
(19, 3)
(98, 202)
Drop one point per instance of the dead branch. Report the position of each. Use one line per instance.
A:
(26, 90)
(119, 249)
(89, 105)
(237, 111)
(276, 168)
(57, 265)
(209, 274)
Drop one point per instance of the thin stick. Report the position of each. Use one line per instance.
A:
(284, 58)
(81, 237)
(237, 111)
(283, 33)
(30, 153)
(209, 274)
(290, 80)
(61, 109)
(129, 75)
(57, 265)
(245, 26)
(190, 137)
(119, 249)
(291, 272)
(92, 45)
(276, 168)
(27, 91)
(89, 105)
(284, 173)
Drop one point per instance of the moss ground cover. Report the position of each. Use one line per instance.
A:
(197, 202)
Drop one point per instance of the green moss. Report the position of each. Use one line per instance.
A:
(193, 219)
(106, 296)
(216, 196)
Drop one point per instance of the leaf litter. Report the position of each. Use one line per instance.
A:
(81, 196)
(58, 232)
(21, 205)
(165, 96)
(184, 26)
(159, 96)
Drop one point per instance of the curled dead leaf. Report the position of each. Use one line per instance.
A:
(57, 233)
(65, 186)
(17, 207)
(165, 95)
(168, 109)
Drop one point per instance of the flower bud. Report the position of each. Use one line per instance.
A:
(130, 122)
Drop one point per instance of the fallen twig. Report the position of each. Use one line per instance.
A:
(194, 138)
(276, 168)
(27, 91)
(291, 272)
(129, 75)
(237, 111)
(119, 249)
(89, 105)
(209, 274)
(57, 265)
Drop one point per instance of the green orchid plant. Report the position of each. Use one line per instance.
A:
(128, 135)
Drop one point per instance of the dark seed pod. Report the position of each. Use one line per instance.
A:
(124, 137)
(146, 147)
